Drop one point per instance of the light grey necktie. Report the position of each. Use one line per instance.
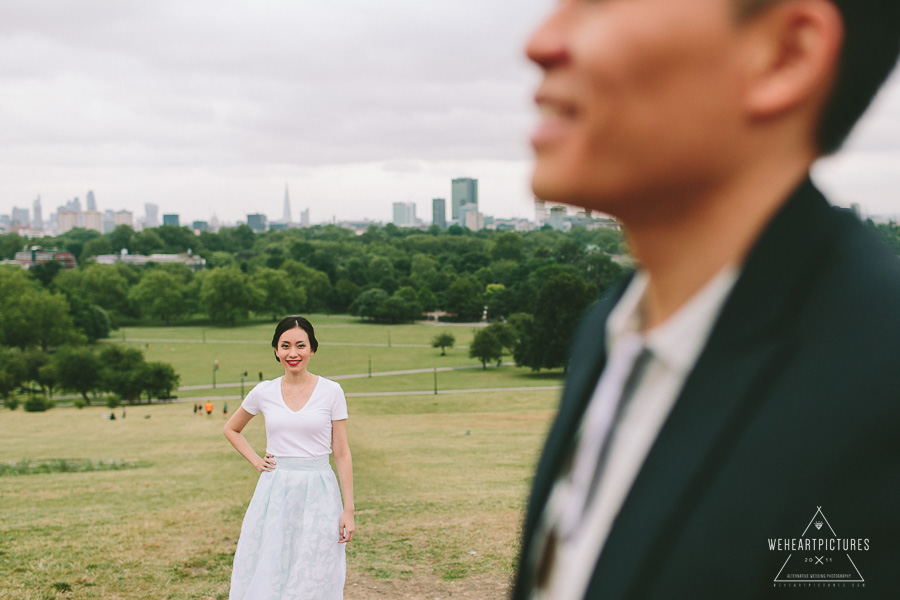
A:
(590, 456)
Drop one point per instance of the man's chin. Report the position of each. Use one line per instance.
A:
(549, 187)
(556, 188)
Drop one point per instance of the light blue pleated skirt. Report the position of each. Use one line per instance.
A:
(288, 549)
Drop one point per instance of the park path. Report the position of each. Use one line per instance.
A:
(207, 386)
(260, 343)
(533, 388)
(432, 392)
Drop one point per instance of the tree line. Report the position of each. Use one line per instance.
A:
(387, 274)
(539, 282)
(48, 341)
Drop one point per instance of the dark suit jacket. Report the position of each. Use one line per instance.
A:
(792, 405)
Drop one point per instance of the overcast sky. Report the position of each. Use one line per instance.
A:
(209, 108)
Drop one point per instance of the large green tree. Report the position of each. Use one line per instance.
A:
(78, 369)
(103, 285)
(160, 294)
(90, 319)
(316, 283)
(122, 372)
(11, 243)
(544, 339)
(96, 247)
(36, 317)
(465, 298)
(159, 380)
(273, 296)
(13, 370)
(485, 347)
(367, 303)
(147, 241)
(120, 237)
(225, 295)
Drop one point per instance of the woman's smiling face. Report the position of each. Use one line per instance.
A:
(293, 350)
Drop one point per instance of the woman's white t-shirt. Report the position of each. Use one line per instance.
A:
(305, 433)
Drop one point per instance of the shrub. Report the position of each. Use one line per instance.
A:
(11, 402)
(79, 403)
(37, 404)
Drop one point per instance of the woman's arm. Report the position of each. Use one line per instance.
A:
(232, 431)
(344, 463)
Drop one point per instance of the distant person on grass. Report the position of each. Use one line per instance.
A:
(292, 538)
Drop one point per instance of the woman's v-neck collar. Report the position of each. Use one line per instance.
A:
(308, 400)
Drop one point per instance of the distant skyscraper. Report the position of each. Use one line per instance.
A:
(92, 219)
(91, 203)
(470, 218)
(68, 219)
(540, 213)
(304, 218)
(151, 215)
(171, 220)
(256, 222)
(38, 221)
(200, 226)
(124, 217)
(287, 206)
(109, 221)
(20, 217)
(404, 214)
(557, 218)
(439, 212)
(464, 191)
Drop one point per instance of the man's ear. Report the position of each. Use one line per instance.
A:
(795, 45)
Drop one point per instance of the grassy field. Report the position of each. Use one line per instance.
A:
(346, 347)
(440, 480)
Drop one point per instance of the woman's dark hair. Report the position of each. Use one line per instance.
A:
(289, 323)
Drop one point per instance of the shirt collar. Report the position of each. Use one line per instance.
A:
(678, 340)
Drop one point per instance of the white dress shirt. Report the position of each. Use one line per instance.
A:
(675, 346)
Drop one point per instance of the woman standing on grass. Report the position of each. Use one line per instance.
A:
(293, 535)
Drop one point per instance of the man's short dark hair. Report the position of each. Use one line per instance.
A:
(868, 54)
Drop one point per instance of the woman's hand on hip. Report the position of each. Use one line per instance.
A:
(347, 527)
(266, 464)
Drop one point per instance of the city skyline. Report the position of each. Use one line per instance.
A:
(209, 109)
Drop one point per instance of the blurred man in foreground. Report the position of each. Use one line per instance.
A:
(729, 427)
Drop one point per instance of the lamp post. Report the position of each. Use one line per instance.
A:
(243, 376)
(435, 381)
(215, 368)
(370, 366)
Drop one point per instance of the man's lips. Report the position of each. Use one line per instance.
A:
(556, 116)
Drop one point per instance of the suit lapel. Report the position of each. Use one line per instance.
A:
(749, 341)
(587, 359)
